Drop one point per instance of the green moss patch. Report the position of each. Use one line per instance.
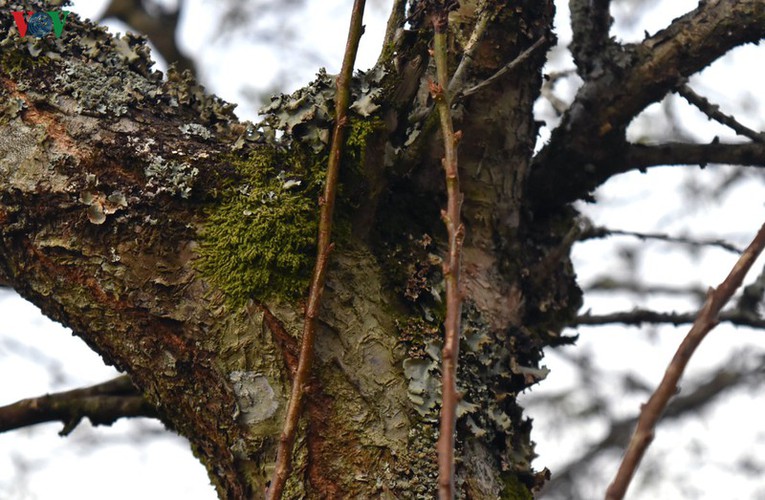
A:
(259, 240)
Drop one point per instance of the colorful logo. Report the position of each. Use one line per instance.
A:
(40, 24)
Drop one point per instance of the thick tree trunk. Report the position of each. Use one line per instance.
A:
(136, 212)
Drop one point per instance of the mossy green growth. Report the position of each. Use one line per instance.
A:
(16, 62)
(359, 131)
(515, 489)
(259, 239)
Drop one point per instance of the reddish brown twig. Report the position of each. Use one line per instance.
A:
(653, 409)
(324, 247)
(456, 232)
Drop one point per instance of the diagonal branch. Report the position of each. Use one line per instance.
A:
(324, 247)
(618, 435)
(522, 57)
(714, 113)
(705, 322)
(102, 404)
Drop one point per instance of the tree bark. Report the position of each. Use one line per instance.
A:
(130, 211)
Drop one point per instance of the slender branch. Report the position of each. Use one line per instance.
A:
(609, 284)
(713, 112)
(471, 48)
(678, 153)
(618, 436)
(639, 317)
(705, 322)
(103, 404)
(522, 57)
(324, 247)
(456, 234)
(604, 232)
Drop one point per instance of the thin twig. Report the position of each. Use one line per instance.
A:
(506, 68)
(718, 383)
(469, 51)
(713, 112)
(595, 232)
(324, 247)
(456, 234)
(653, 409)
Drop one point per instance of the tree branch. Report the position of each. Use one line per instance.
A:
(590, 22)
(102, 404)
(653, 409)
(639, 317)
(160, 27)
(618, 436)
(714, 113)
(469, 52)
(593, 232)
(456, 235)
(588, 147)
(637, 156)
(610, 284)
(324, 247)
(522, 57)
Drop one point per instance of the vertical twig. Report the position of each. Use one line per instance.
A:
(456, 232)
(324, 247)
(705, 321)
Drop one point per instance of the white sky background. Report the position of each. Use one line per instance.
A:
(38, 356)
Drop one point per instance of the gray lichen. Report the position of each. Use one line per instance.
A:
(195, 129)
(170, 176)
(308, 113)
(256, 398)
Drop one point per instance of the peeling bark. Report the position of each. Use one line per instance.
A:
(109, 176)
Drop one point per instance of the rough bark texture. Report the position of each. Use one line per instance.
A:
(138, 212)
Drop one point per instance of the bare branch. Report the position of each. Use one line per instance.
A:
(609, 284)
(588, 147)
(653, 409)
(159, 26)
(713, 112)
(677, 153)
(639, 317)
(457, 82)
(456, 233)
(324, 247)
(102, 404)
(618, 436)
(506, 68)
(593, 232)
